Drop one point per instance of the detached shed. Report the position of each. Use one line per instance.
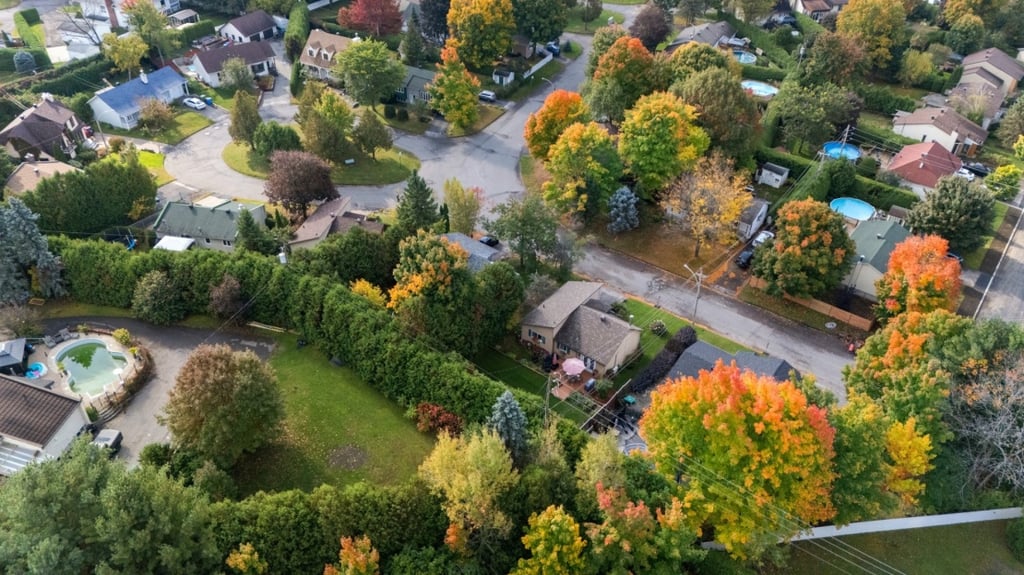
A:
(772, 175)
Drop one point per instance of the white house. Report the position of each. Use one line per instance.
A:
(251, 27)
(320, 54)
(209, 65)
(944, 126)
(212, 222)
(875, 241)
(36, 424)
(752, 218)
(118, 106)
(772, 175)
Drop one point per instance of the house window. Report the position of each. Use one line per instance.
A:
(536, 336)
(589, 363)
(207, 240)
(227, 243)
(562, 348)
(312, 52)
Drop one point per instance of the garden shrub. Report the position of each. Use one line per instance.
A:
(657, 327)
(760, 39)
(432, 418)
(8, 57)
(196, 31)
(1015, 533)
(402, 115)
(682, 339)
(867, 167)
(763, 74)
(389, 111)
(156, 300)
(122, 336)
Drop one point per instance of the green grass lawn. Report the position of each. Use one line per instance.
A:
(392, 166)
(532, 172)
(222, 97)
(488, 114)
(413, 125)
(337, 430)
(185, 124)
(154, 162)
(971, 549)
(973, 260)
(507, 370)
(796, 312)
(69, 308)
(7, 4)
(575, 23)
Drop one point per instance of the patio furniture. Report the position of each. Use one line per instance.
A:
(65, 334)
(49, 341)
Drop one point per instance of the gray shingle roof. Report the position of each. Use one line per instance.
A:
(480, 255)
(557, 308)
(219, 223)
(998, 59)
(594, 333)
(876, 249)
(250, 52)
(703, 356)
(31, 413)
(125, 98)
(12, 352)
(253, 23)
(40, 127)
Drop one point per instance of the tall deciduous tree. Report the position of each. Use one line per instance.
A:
(833, 58)
(371, 134)
(245, 118)
(481, 30)
(861, 465)
(601, 463)
(370, 72)
(967, 34)
(357, 557)
(727, 428)
(585, 170)
(28, 259)
(1004, 182)
(915, 68)
(434, 20)
(604, 38)
(151, 24)
(629, 66)
(529, 227)
(921, 277)
(554, 543)
(724, 109)
(417, 208)
(126, 53)
(560, 110)
(298, 179)
(877, 25)
(651, 26)
(224, 403)
(500, 294)
(463, 206)
(709, 201)
(590, 10)
(809, 114)
(540, 20)
(912, 454)
(695, 57)
(454, 90)
(811, 251)
(956, 210)
(660, 139)
(377, 17)
(237, 75)
(327, 126)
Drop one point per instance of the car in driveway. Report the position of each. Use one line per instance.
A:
(965, 174)
(490, 241)
(553, 48)
(745, 258)
(109, 439)
(194, 103)
(977, 168)
(762, 237)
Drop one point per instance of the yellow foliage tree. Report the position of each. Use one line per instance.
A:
(554, 543)
(877, 25)
(246, 561)
(911, 455)
(357, 557)
(481, 30)
(709, 201)
(370, 292)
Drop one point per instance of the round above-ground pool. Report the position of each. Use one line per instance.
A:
(91, 366)
(35, 370)
(853, 208)
(744, 57)
(838, 150)
(760, 89)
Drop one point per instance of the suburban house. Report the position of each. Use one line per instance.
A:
(320, 54)
(817, 9)
(209, 65)
(332, 217)
(752, 218)
(981, 98)
(414, 86)
(942, 125)
(995, 67)
(251, 27)
(45, 130)
(167, 6)
(212, 222)
(118, 106)
(576, 321)
(921, 165)
(772, 175)
(27, 176)
(875, 240)
(36, 424)
(14, 356)
(480, 255)
(702, 356)
(710, 33)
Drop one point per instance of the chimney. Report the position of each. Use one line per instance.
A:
(143, 77)
(111, 13)
(878, 236)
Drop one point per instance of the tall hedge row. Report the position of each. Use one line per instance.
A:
(763, 74)
(24, 21)
(74, 77)
(7, 58)
(297, 32)
(196, 31)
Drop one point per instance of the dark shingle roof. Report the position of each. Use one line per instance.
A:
(703, 356)
(253, 23)
(557, 308)
(998, 59)
(31, 413)
(875, 240)
(125, 98)
(250, 52)
(40, 127)
(594, 333)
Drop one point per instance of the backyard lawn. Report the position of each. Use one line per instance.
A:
(509, 371)
(575, 24)
(392, 166)
(337, 430)
(488, 114)
(185, 124)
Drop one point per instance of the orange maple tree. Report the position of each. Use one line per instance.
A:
(561, 109)
(921, 277)
(754, 456)
(631, 66)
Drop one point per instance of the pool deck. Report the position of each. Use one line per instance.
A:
(48, 357)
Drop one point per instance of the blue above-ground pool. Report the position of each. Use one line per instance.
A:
(744, 57)
(853, 208)
(760, 89)
(838, 150)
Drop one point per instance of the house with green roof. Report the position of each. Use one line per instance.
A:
(211, 222)
(875, 240)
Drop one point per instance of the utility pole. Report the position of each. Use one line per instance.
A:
(699, 277)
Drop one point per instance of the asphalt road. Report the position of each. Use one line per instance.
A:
(1005, 296)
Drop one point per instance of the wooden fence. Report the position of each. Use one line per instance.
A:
(842, 315)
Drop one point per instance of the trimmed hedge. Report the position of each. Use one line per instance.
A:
(24, 22)
(30, 15)
(884, 196)
(883, 100)
(7, 58)
(197, 31)
(75, 77)
(297, 32)
(763, 74)
(659, 367)
(761, 39)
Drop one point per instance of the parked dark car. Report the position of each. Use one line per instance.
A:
(490, 241)
(109, 439)
(554, 48)
(745, 258)
(978, 168)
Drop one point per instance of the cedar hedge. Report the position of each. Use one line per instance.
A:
(74, 77)
(196, 31)
(763, 74)
(7, 58)
(659, 367)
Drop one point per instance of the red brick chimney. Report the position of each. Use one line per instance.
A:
(111, 13)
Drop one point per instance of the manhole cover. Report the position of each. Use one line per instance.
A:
(347, 457)
(830, 325)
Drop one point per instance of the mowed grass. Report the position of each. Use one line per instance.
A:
(798, 313)
(972, 261)
(392, 166)
(185, 124)
(69, 308)
(154, 162)
(507, 370)
(487, 115)
(970, 549)
(575, 23)
(330, 411)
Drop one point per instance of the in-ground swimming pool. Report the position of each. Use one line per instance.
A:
(35, 370)
(853, 208)
(90, 366)
(744, 57)
(759, 88)
(838, 150)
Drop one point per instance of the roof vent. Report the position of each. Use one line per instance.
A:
(143, 77)
(604, 319)
(878, 236)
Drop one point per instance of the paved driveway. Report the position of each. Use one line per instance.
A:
(170, 347)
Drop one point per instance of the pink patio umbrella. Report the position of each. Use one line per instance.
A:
(573, 366)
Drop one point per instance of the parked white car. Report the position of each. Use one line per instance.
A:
(966, 174)
(762, 237)
(194, 103)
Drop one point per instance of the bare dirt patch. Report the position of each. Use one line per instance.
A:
(348, 457)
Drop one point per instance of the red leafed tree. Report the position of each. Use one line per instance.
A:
(376, 17)
(754, 457)
(561, 109)
(921, 277)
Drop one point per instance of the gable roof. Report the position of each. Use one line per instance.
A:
(945, 119)
(997, 59)
(31, 413)
(416, 79)
(702, 356)
(594, 333)
(707, 33)
(125, 98)
(320, 40)
(252, 23)
(39, 127)
(967, 93)
(12, 352)
(876, 239)
(192, 220)
(751, 212)
(553, 311)
(250, 52)
(984, 75)
(816, 6)
(332, 218)
(924, 163)
(27, 175)
(480, 255)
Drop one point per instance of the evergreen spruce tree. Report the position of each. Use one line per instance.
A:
(509, 422)
(417, 208)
